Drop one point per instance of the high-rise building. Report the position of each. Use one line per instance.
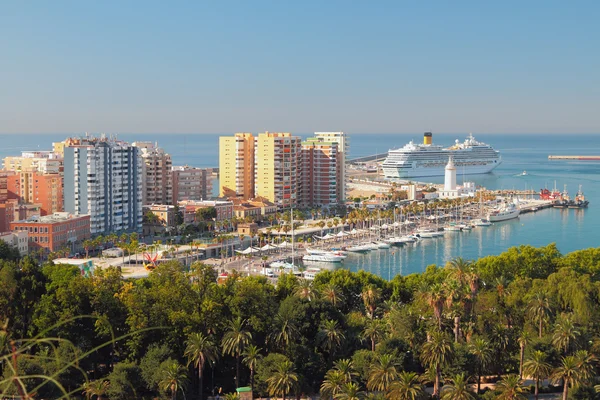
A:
(190, 183)
(321, 173)
(30, 186)
(157, 176)
(277, 168)
(343, 149)
(102, 178)
(236, 165)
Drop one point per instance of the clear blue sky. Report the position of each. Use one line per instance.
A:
(299, 66)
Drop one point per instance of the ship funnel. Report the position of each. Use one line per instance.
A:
(427, 138)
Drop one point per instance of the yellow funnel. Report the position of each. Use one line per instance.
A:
(427, 138)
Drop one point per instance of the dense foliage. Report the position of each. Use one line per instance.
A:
(526, 312)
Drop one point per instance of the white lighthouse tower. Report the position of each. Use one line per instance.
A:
(450, 177)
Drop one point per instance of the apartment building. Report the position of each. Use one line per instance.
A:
(16, 239)
(236, 166)
(55, 232)
(277, 168)
(45, 162)
(190, 183)
(343, 149)
(102, 178)
(157, 175)
(321, 173)
(29, 186)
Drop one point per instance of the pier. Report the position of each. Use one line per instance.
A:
(365, 159)
(580, 158)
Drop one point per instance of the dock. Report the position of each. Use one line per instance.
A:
(579, 158)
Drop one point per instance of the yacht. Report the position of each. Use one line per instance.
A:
(503, 213)
(481, 222)
(427, 159)
(326, 257)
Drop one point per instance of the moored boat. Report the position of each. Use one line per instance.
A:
(504, 213)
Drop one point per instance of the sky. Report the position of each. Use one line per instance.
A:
(299, 66)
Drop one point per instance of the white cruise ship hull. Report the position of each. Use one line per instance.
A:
(402, 171)
(503, 216)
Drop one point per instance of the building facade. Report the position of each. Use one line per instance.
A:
(157, 175)
(102, 178)
(277, 168)
(30, 186)
(45, 162)
(321, 173)
(236, 165)
(55, 232)
(190, 183)
(343, 149)
(16, 239)
(224, 209)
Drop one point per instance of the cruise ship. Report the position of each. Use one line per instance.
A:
(421, 160)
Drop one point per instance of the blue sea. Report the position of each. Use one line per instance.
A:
(569, 229)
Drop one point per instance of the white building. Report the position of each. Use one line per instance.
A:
(18, 239)
(450, 191)
(102, 178)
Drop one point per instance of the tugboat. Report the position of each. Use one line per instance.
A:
(579, 201)
(564, 200)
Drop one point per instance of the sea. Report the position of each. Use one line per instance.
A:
(569, 229)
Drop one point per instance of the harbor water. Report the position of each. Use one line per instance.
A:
(570, 229)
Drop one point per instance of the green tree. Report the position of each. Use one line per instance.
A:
(406, 387)
(539, 308)
(333, 383)
(331, 336)
(174, 378)
(383, 373)
(331, 293)
(251, 357)
(374, 331)
(569, 373)
(235, 341)
(371, 296)
(457, 389)
(283, 380)
(481, 349)
(437, 353)
(565, 334)
(510, 388)
(350, 391)
(537, 368)
(200, 349)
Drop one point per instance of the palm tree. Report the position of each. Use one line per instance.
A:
(96, 388)
(523, 340)
(569, 372)
(285, 330)
(305, 290)
(251, 357)
(510, 388)
(585, 362)
(283, 380)
(406, 387)
(536, 367)
(539, 307)
(333, 383)
(482, 351)
(457, 389)
(174, 377)
(332, 336)
(437, 352)
(371, 295)
(346, 367)
(350, 391)
(435, 297)
(565, 333)
(374, 331)
(235, 340)
(383, 373)
(200, 349)
(331, 293)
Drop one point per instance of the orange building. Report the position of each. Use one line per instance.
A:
(55, 232)
(33, 187)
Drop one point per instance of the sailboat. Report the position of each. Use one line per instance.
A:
(481, 221)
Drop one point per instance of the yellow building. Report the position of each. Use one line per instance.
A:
(236, 165)
(277, 168)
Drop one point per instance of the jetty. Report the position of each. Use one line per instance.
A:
(580, 158)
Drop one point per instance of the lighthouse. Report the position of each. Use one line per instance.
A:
(450, 177)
